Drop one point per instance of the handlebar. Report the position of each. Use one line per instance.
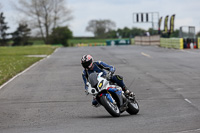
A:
(109, 75)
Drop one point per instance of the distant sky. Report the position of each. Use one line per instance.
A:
(120, 11)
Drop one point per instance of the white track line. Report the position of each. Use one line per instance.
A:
(189, 131)
(19, 74)
(24, 71)
(188, 101)
(146, 55)
(190, 52)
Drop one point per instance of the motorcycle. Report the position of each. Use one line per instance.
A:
(110, 96)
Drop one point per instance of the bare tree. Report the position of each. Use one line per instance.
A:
(100, 27)
(45, 14)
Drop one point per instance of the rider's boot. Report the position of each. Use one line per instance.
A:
(95, 103)
(129, 93)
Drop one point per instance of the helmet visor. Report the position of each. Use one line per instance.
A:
(87, 64)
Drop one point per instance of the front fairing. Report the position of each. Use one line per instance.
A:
(97, 83)
(103, 87)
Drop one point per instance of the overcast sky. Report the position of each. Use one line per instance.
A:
(120, 11)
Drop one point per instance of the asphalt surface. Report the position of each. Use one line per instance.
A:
(50, 97)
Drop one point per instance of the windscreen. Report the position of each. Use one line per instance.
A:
(93, 79)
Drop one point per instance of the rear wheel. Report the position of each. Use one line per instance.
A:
(133, 107)
(109, 106)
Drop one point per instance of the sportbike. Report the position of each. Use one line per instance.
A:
(111, 96)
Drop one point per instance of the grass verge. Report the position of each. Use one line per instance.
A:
(76, 41)
(14, 59)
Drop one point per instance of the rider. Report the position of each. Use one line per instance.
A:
(98, 66)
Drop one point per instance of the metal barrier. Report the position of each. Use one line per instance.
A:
(118, 42)
(147, 40)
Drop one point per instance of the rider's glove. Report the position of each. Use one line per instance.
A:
(109, 75)
(112, 70)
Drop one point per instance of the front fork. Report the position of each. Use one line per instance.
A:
(111, 99)
(108, 95)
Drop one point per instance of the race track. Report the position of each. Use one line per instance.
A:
(50, 97)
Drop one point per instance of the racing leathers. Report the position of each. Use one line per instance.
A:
(98, 67)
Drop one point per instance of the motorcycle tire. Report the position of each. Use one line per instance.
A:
(110, 107)
(133, 107)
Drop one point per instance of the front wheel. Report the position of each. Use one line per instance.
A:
(109, 106)
(133, 107)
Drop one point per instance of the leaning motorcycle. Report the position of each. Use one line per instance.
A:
(111, 96)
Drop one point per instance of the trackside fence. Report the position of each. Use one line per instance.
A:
(176, 43)
(147, 40)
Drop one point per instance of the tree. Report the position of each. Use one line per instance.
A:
(198, 34)
(60, 35)
(3, 29)
(100, 27)
(111, 34)
(175, 33)
(153, 31)
(124, 33)
(21, 35)
(45, 15)
(138, 31)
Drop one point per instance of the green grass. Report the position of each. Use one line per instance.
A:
(14, 60)
(73, 41)
(36, 41)
(76, 41)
